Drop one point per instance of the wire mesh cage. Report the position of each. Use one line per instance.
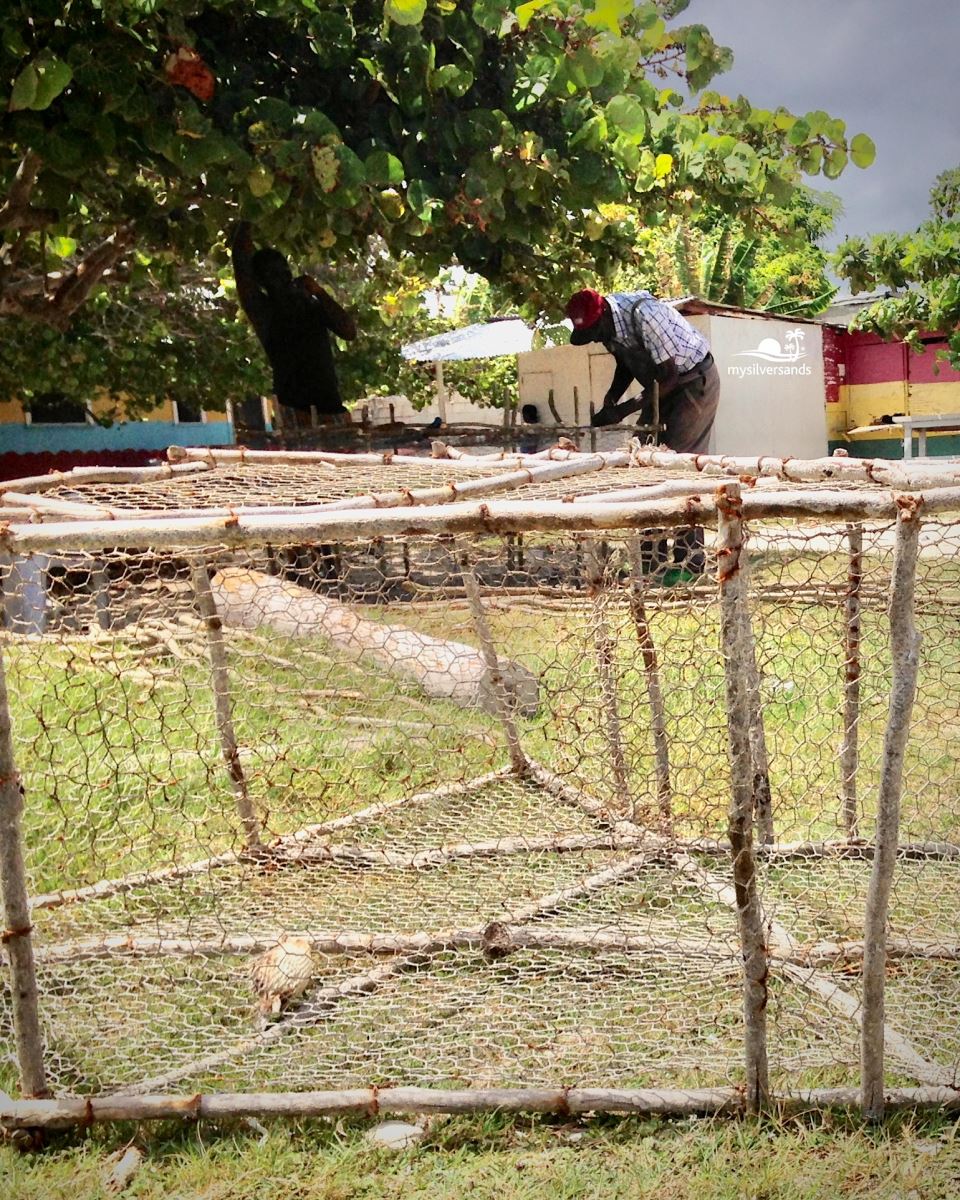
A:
(510, 800)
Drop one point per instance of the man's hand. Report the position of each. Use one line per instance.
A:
(612, 414)
(242, 237)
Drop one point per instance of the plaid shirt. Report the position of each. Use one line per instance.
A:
(637, 316)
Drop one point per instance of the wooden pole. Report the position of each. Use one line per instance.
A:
(84, 475)
(605, 650)
(16, 912)
(736, 640)
(71, 1111)
(504, 704)
(905, 653)
(219, 666)
(489, 516)
(794, 470)
(651, 672)
(849, 749)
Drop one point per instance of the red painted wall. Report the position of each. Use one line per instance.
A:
(18, 466)
(923, 366)
(834, 358)
(869, 359)
(872, 360)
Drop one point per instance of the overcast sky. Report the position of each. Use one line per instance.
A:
(888, 68)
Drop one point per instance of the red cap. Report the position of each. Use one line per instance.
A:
(585, 308)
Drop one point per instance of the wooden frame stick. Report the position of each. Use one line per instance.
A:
(905, 653)
(71, 1111)
(849, 749)
(220, 672)
(16, 936)
(737, 640)
(605, 654)
(651, 675)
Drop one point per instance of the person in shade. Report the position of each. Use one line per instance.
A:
(293, 318)
(652, 343)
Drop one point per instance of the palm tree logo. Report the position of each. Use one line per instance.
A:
(771, 351)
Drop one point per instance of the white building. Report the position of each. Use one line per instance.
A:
(771, 380)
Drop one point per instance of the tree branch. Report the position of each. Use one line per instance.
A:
(80, 282)
(15, 212)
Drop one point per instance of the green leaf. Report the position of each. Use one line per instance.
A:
(662, 166)
(834, 163)
(326, 165)
(405, 12)
(62, 247)
(628, 115)
(526, 11)
(798, 133)
(24, 89)
(260, 180)
(456, 80)
(381, 167)
(608, 14)
(862, 150)
(812, 159)
(53, 75)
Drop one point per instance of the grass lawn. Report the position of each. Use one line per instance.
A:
(512, 1159)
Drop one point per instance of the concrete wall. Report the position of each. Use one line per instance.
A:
(766, 407)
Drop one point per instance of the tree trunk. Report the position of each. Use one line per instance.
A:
(446, 670)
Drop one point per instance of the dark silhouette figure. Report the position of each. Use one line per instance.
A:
(293, 318)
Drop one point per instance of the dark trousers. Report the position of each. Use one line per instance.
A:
(688, 414)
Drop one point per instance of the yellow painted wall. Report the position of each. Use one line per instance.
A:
(929, 399)
(865, 403)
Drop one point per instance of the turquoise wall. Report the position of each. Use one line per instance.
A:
(131, 435)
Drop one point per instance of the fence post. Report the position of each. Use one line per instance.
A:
(737, 645)
(651, 671)
(849, 749)
(905, 654)
(16, 912)
(219, 669)
(606, 668)
(488, 650)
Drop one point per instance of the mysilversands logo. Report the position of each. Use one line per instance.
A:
(770, 358)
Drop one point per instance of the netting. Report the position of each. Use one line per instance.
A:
(453, 809)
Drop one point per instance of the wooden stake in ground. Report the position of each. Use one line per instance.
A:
(737, 647)
(499, 690)
(221, 698)
(607, 671)
(16, 913)
(651, 673)
(849, 750)
(447, 670)
(905, 653)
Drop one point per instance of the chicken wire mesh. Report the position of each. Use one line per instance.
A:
(453, 811)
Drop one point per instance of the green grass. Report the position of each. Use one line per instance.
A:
(510, 1159)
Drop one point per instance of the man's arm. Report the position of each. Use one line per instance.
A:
(336, 318)
(622, 378)
(252, 300)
